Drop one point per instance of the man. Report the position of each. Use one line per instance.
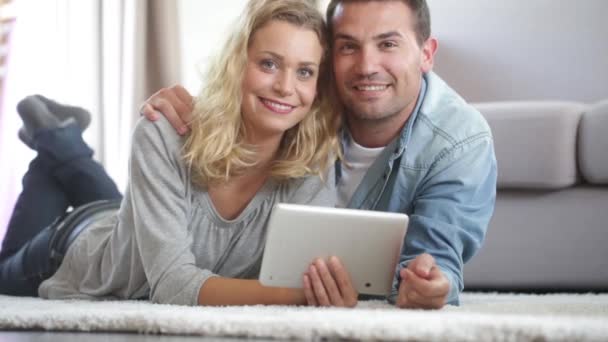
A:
(411, 145)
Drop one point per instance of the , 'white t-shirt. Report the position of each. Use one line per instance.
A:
(357, 160)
